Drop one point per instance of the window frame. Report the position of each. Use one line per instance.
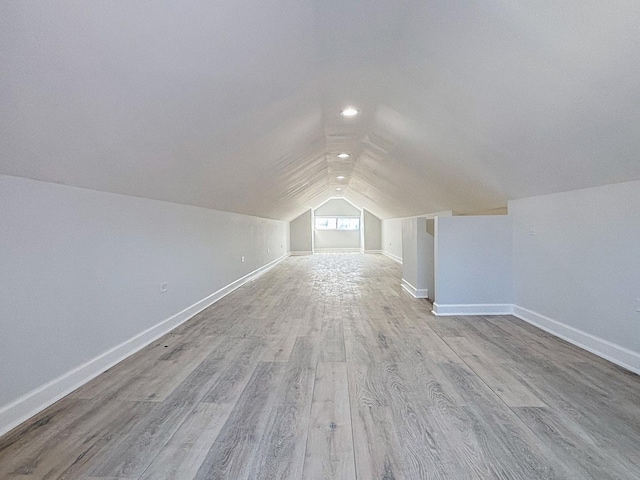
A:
(336, 222)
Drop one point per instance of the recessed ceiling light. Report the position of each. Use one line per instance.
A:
(339, 188)
(349, 112)
(340, 177)
(343, 155)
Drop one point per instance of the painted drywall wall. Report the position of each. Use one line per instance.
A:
(414, 262)
(372, 232)
(473, 258)
(82, 270)
(429, 259)
(337, 207)
(577, 262)
(337, 240)
(392, 238)
(392, 233)
(301, 234)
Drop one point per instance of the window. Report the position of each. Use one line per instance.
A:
(337, 223)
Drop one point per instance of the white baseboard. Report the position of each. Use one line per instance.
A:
(372, 251)
(415, 292)
(337, 250)
(30, 404)
(392, 256)
(472, 309)
(603, 348)
(301, 252)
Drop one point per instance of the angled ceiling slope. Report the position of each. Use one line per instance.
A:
(235, 106)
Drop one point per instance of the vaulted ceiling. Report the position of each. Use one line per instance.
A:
(234, 105)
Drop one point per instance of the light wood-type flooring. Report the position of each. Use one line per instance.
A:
(324, 368)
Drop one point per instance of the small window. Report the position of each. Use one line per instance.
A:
(348, 223)
(326, 223)
(337, 223)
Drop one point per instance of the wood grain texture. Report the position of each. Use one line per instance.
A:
(324, 368)
(329, 453)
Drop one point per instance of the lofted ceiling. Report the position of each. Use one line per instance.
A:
(234, 105)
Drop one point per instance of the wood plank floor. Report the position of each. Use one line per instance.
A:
(324, 368)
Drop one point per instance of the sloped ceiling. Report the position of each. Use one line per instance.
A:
(235, 105)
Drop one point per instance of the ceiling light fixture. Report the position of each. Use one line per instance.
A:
(343, 155)
(350, 112)
(340, 177)
(339, 188)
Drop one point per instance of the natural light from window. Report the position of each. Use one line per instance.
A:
(337, 223)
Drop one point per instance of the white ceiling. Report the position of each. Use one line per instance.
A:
(234, 105)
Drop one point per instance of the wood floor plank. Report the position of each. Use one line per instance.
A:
(183, 454)
(231, 454)
(579, 451)
(133, 455)
(324, 367)
(329, 454)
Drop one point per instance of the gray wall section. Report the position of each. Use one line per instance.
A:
(416, 261)
(577, 260)
(337, 206)
(81, 271)
(326, 240)
(372, 231)
(429, 261)
(392, 237)
(474, 260)
(300, 233)
(337, 239)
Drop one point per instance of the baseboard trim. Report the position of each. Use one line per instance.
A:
(413, 291)
(612, 352)
(301, 253)
(441, 310)
(372, 251)
(30, 404)
(337, 250)
(392, 256)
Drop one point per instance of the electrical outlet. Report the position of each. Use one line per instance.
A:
(164, 287)
(242, 259)
(268, 251)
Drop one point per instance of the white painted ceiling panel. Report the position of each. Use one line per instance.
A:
(235, 105)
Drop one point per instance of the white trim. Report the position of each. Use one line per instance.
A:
(301, 252)
(392, 256)
(372, 251)
(603, 348)
(415, 292)
(30, 404)
(337, 250)
(472, 309)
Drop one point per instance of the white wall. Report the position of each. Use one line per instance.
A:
(300, 231)
(336, 240)
(414, 262)
(392, 233)
(392, 238)
(337, 207)
(473, 265)
(372, 229)
(577, 266)
(81, 272)
(429, 259)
